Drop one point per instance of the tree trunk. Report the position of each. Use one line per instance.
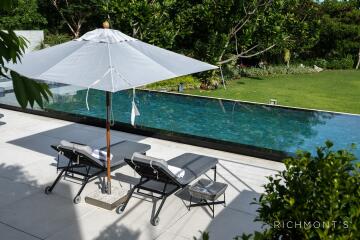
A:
(358, 63)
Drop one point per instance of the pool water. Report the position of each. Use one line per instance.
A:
(263, 126)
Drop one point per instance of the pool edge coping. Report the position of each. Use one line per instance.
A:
(251, 102)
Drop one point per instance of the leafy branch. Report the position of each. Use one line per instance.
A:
(11, 49)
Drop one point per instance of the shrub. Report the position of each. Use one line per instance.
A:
(275, 70)
(321, 194)
(54, 39)
(334, 63)
(189, 82)
(341, 63)
(320, 62)
(231, 70)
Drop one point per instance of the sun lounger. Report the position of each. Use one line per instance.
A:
(163, 178)
(84, 164)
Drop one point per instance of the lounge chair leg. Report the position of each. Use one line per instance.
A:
(215, 173)
(57, 163)
(190, 203)
(49, 189)
(77, 197)
(128, 199)
(213, 210)
(155, 219)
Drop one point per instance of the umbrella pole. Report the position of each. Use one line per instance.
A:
(108, 164)
(116, 196)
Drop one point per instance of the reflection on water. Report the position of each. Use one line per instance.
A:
(252, 124)
(258, 125)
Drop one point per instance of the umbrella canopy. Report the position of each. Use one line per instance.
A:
(107, 60)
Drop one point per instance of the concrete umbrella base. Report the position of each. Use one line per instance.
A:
(107, 201)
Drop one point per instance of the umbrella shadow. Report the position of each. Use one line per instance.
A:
(74, 132)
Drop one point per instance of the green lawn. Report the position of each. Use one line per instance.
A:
(337, 90)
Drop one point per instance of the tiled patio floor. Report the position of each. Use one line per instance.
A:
(27, 165)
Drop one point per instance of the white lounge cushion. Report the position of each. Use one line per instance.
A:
(76, 147)
(101, 155)
(178, 172)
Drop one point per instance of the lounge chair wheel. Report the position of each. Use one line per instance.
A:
(155, 221)
(77, 199)
(119, 209)
(47, 190)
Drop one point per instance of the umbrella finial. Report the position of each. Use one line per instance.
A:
(106, 24)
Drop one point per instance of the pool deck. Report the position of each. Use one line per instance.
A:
(27, 165)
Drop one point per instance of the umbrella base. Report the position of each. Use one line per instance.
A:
(107, 201)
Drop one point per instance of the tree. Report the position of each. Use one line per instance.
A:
(155, 22)
(219, 31)
(23, 16)
(76, 13)
(287, 57)
(226, 30)
(11, 49)
(275, 25)
(340, 30)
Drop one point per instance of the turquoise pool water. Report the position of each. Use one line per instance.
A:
(257, 125)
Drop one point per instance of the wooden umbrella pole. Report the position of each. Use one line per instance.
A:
(108, 164)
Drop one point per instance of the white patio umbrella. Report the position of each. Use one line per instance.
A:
(108, 60)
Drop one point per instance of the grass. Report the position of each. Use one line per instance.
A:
(189, 82)
(333, 90)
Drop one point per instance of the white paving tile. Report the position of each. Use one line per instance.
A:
(9, 233)
(42, 215)
(27, 166)
(11, 191)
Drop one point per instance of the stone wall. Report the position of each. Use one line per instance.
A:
(35, 38)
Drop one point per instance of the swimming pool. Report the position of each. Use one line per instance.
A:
(263, 126)
(230, 122)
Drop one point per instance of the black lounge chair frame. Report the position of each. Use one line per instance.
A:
(204, 202)
(148, 175)
(201, 189)
(81, 168)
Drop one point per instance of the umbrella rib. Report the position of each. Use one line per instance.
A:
(39, 76)
(116, 71)
(111, 68)
(123, 78)
(175, 75)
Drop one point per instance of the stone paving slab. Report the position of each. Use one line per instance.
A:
(41, 215)
(14, 234)
(11, 191)
(27, 165)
